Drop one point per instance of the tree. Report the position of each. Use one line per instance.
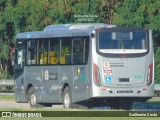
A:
(141, 13)
(6, 30)
(107, 9)
(157, 65)
(33, 15)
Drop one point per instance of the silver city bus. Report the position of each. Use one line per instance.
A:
(85, 64)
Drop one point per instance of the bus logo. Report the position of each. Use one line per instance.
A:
(6, 114)
(106, 64)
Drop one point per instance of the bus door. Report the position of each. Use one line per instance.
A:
(51, 71)
(51, 83)
(79, 70)
(80, 83)
(19, 73)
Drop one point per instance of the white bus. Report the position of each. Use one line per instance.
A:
(87, 64)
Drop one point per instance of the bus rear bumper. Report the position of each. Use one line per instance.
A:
(141, 91)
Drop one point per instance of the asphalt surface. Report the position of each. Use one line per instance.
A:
(147, 106)
(12, 104)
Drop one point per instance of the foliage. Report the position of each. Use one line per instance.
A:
(33, 15)
(157, 65)
(142, 13)
(139, 13)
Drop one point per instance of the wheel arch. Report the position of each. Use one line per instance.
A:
(66, 91)
(27, 88)
(64, 86)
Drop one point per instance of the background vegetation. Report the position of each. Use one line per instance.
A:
(33, 15)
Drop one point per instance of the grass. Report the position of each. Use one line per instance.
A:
(36, 109)
(155, 99)
(6, 97)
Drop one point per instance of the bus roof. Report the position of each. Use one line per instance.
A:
(64, 30)
(78, 26)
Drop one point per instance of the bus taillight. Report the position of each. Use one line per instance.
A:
(97, 78)
(150, 74)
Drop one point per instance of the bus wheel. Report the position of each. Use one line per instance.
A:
(67, 100)
(32, 98)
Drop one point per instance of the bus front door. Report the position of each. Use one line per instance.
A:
(19, 82)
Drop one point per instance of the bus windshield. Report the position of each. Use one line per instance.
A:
(123, 41)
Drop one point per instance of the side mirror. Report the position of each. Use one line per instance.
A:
(13, 59)
(12, 56)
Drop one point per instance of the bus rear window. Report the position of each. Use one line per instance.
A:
(118, 41)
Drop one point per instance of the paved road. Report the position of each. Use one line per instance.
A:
(148, 106)
(13, 104)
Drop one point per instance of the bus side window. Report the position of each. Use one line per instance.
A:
(78, 51)
(40, 52)
(31, 54)
(54, 51)
(45, 52)
(65, 57)
(86, 44)
(20, 58)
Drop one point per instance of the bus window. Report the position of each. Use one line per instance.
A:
(45, 52)
(31, 54)
(20, 58)
(65, 57)
(54, 51)
(119, 40)
(86, 45)
(78, 50)
(40, 52)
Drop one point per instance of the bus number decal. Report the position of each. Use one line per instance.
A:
(138, 76)
(46, 75)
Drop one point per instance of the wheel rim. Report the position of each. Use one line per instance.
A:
(67, 100)
(33, 99)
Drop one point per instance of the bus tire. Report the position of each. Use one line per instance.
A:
(32, 98)
(67, 99)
